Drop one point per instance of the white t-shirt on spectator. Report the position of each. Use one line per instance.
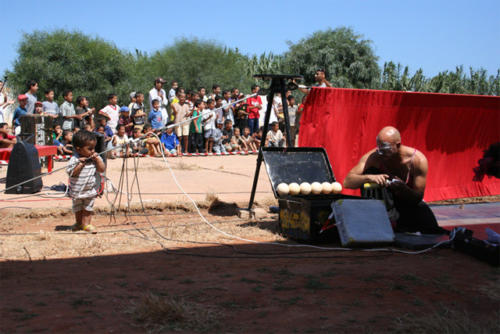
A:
(210, 124)
(114, 114)
(227, 110)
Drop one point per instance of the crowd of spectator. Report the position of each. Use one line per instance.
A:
(182, 121)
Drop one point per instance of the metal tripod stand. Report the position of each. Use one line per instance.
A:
(279, 84)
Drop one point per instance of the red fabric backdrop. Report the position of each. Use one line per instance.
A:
(451, 130)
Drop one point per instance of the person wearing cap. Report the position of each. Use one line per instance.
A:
(38, 108)
(19, 112)
(126, 120)
(32, 87)
(158, 93)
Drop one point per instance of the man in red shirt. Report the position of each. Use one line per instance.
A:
(6, 139)
(253, 109)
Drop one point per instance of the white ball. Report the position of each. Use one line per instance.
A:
(316, 188)
(336, 187)
(305, 188)
(326, 187)
(283, 189)
(294, 188)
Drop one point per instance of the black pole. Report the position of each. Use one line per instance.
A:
(270, 97)
(284, 103)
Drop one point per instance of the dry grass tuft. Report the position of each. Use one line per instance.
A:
(159, 314)
(267, 202)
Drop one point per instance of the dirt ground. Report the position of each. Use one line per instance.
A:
(163, 269)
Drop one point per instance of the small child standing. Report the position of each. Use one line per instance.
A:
(155, 116)
(196, 131)
(82, 169)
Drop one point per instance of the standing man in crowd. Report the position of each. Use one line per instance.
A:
(32, 86)
(158, 93)
(321, 81)
(253, 109)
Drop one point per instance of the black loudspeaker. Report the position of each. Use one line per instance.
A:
(24, 164)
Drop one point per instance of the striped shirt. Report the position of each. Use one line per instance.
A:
(83, 185)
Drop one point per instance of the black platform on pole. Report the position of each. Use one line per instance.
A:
(279, 84)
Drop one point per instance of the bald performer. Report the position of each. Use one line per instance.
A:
(402, 171)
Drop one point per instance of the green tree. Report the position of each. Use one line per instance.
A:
(71, 60)
(195, 63)
(348, 59)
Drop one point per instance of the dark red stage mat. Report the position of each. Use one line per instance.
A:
(451, 130)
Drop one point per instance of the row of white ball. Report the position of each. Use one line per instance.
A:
(305, 188)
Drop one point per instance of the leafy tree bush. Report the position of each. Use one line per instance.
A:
(71, 60)
(348, 59)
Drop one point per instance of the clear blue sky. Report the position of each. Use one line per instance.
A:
(434, 35)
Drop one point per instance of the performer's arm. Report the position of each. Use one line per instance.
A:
(415, 194)
(355, 179)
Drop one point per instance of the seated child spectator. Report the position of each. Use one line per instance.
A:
(138, 145)
(171, 142)
(67, 141)
(155, 117)
(7, 140)
(119, 142)
(238, 140)
(248, 140)
(151, 142)
(126, 120)
(196, 129)
(209, 125)
(57, 138)
(100, 129)
(218, 147)
(82, 169)
(257, 137)
(137, 112)
(227, 135)
(275, 137)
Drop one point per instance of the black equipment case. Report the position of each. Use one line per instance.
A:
(302, 217)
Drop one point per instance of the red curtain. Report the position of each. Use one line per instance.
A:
(451, 130)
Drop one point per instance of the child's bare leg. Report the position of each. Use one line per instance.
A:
(210, 145)
(78, 217)
(206, 144)
(86, 217)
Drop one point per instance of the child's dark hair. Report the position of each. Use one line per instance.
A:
(218, 98)
(2, 125)
(254, 86)
(82, 138)
(66, 92)
(215, 86)
(246, 127)
(47, 91)
(147, 127)
(290, 97)
(198, 102)
(228, 121)
(210, 101)
(155, 101)
(224, 92)
(138, 94)
(112, 95)
(119, 126)
(30, 83)
(79, 99)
